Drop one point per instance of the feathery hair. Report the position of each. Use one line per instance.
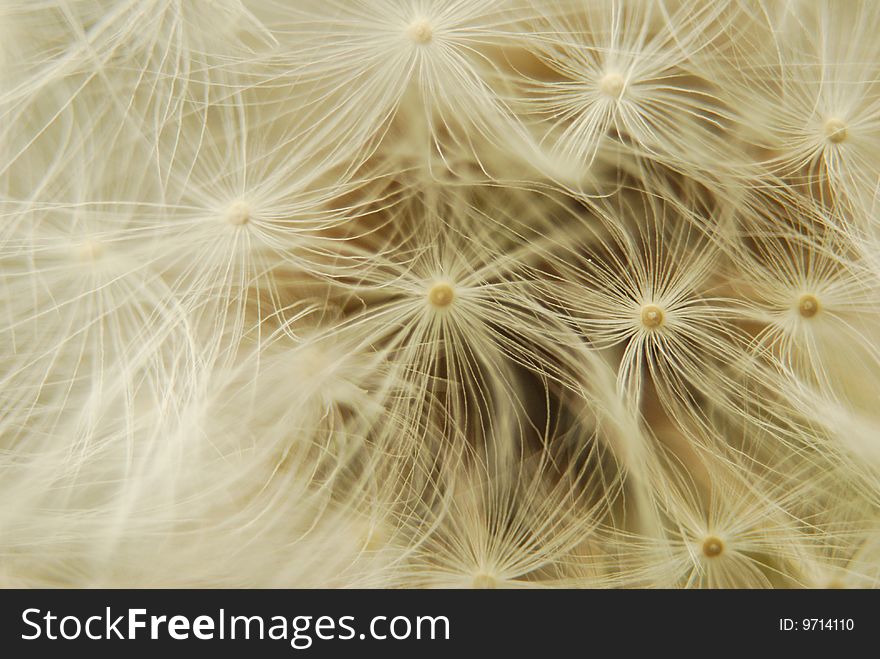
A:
(411, 294)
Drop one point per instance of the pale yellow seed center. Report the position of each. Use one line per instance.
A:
(713, 547)
(238, 214)
(835, 130)
(652, 316)
(420, 32)
(441, 295)
(808, 306)
(612, 85)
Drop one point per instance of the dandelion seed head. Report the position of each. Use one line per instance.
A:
(835, 130)
(420, 32)
(713, 547)
(238, 213)
(441, 294)
(461, 294)
(808, 305)
(612, 85)
(652, 316)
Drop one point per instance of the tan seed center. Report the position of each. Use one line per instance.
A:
(441, 295)
(712, 547)
(612, 85)
(808, 306)
(652, 316)
(835, 130)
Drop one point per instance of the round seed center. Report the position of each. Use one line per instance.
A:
(612, 85)
(441, 295)
(420, 32)
(238, 214)
(713, 547)
(835, 130)
(808, 306)
(652, 316)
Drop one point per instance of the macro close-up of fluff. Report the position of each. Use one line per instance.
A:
(439, 293)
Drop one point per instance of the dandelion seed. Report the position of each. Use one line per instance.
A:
(812, 293)
(621, 72)
(612, 85)
(441, 295)
(238, 214)
(652, 316)
(712, 547)
(445, 293)
(805, 92)
(420, 32)
(642, 291)
(835, 130)
(808, 305)
(370, 70)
